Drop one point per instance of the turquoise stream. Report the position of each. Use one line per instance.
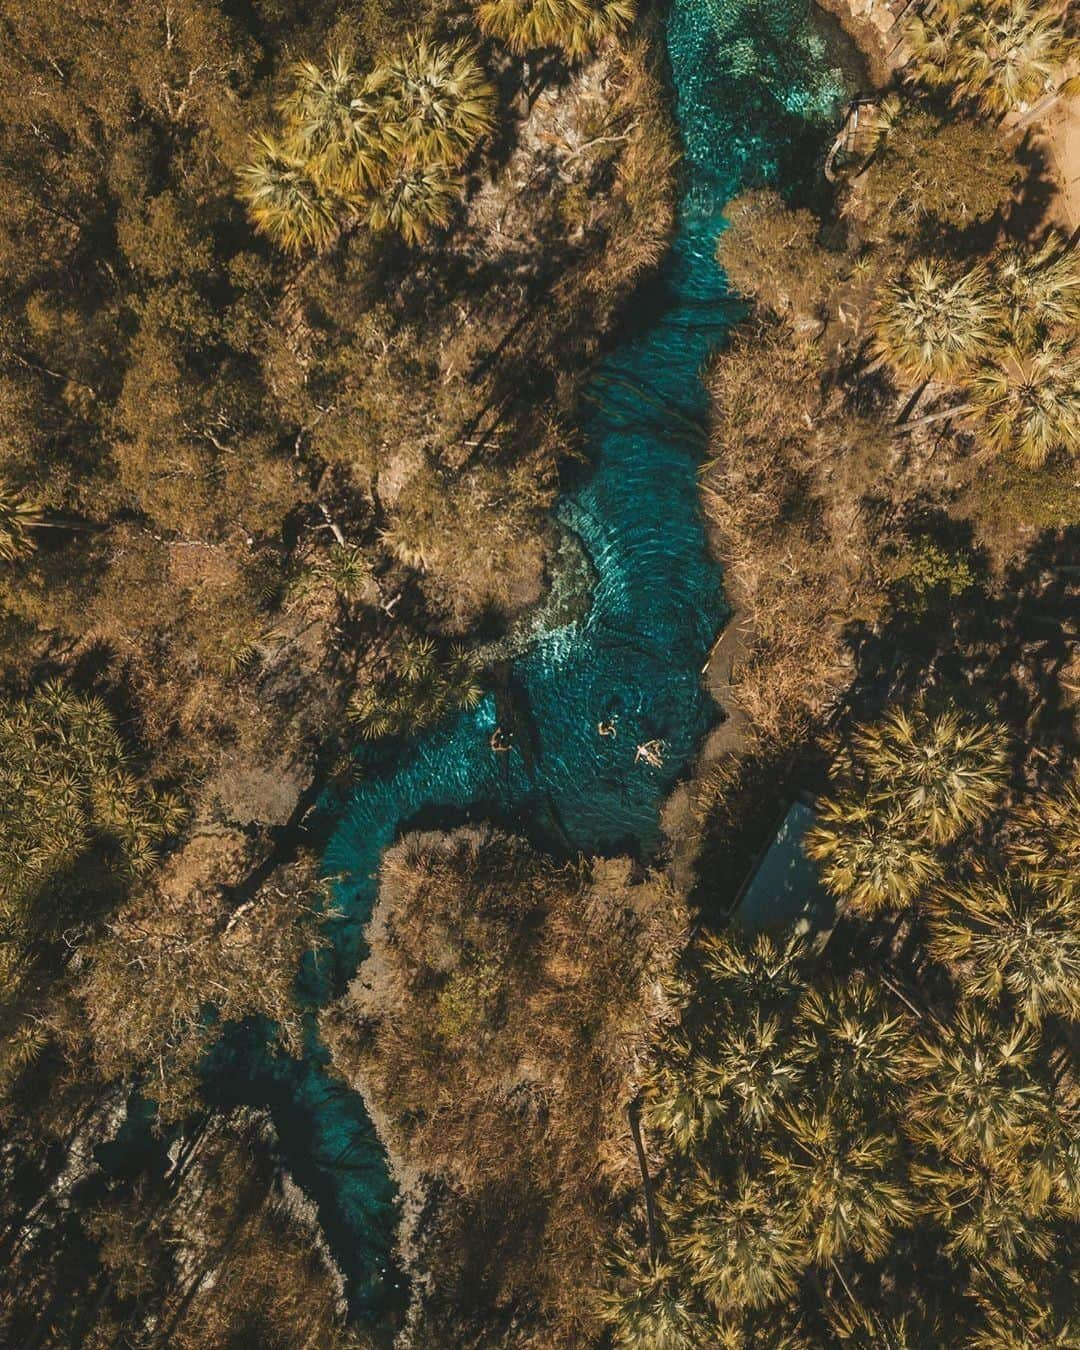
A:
(758, 85)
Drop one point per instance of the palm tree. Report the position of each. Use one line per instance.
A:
(1027, 401)
(1049, 840)
(753, 971)
(413, 199)
(1052, 1164)
(1002, 54)
(942, 774)
(433, 100)
(1011, 53)
(17, 518)
(1012, 935)
(740, 1246)
(870, 860)
(1024, 1321)
(331, 125)
(576, 27)
(986, 1215)
(934, 325)
(754, 1063)
(1040, 289)
(976, 1093)
(854, 1047)
(284, 200)
(845, 1181)
(649, 1306)
(676, 1102)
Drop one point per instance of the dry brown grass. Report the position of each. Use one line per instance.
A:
(787, 491)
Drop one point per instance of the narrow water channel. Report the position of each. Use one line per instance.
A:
(758, 87)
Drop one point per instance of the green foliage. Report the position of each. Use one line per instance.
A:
(935, 322)
(935, 577)
(770, 251)
(1000, 54)
(425, 682)
(932, 171)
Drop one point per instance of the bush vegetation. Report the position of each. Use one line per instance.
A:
(496, 1025)
(877, 1143)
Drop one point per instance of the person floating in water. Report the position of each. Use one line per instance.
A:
(652, 752)
(609, 723)
(499, 741)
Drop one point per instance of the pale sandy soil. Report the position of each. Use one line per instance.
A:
(1059, 140)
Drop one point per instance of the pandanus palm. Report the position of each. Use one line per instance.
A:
(649, 1306)
(870, 860)
(331, 125)
(853, 1046)
(976, 1094)
(413, 199)
(942, 774)
(574, 26)
(1012, 935)
(1027, 401)
(434, 102)
(740, 1243)
(754, 1064)
(1048, 842)
(844, 1180)
(17, 518)
(284, 200)
(933, 324)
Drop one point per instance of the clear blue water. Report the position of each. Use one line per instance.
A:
(758, 86)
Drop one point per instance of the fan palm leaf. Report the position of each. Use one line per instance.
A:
(758, 971)
(985, 1214)
(941, 774)
(1011, 52)
(855, 1048)
(976, 1093)
(434, 101)
(576, 27)
(649, 1306)
(1011, 935)
(1027, 401)
(414, 199)
(755, 1065)
(1039, 288)
(284, 201)
(331, 125)
(741, 1246)
(933, 324)
(1048, 843)
(17, 518)
(845, 1181)
(869, 860)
